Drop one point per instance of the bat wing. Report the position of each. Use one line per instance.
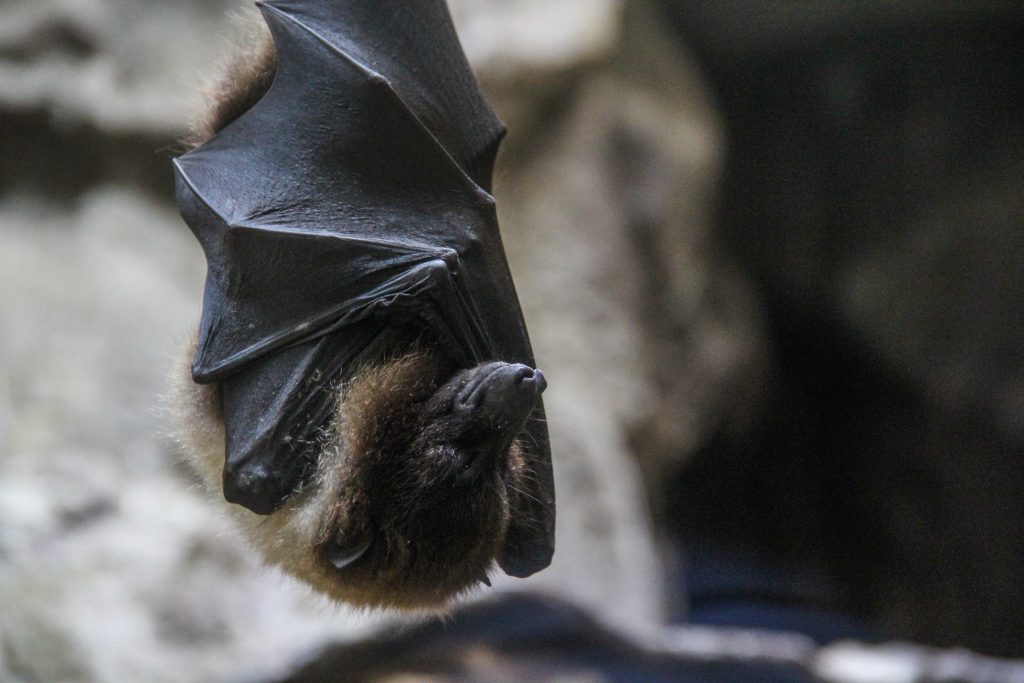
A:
(351, 198)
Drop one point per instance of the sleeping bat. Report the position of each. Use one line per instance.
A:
(362, 377)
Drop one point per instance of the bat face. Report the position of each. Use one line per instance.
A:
(431, 477)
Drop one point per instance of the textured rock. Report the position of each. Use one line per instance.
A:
(107, 64)
(111, 568)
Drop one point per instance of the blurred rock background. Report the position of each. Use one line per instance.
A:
(874, 190)
(770, 259)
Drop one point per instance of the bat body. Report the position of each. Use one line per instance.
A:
(415, 489)
(341, 196)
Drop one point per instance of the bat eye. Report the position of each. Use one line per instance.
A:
(467, 471)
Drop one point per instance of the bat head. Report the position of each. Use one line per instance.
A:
(430, 478)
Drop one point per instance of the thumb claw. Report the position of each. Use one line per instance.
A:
(342, 556)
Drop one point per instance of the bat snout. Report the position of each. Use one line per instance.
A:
(501, 394)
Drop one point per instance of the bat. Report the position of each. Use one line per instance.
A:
(361, 348)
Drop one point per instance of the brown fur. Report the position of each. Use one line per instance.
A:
(431, 541)
(244, 81)
(376, 481)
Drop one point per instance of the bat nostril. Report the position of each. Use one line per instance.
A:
(540, 380)
(531, 377)
(523, 372)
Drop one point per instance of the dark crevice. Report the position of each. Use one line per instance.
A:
(55, 37)
(64, 162)
(849, 140)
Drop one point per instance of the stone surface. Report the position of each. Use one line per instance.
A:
(111, 567)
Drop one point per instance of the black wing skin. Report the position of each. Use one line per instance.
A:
(351, 200)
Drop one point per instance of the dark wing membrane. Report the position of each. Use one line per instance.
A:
(324, 189)
(412, 44)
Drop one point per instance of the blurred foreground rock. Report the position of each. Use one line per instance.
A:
(524, 638)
